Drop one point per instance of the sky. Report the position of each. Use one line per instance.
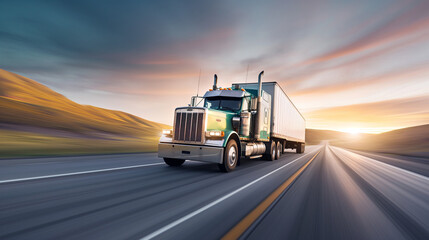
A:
(356, 66)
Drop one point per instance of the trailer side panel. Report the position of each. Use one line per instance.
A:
(286, 121)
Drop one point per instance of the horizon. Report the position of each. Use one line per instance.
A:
(351, 131)
(315, 121)
(366, 71)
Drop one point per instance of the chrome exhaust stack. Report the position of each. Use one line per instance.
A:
(259, 107)
(260, 85)
(215, 82)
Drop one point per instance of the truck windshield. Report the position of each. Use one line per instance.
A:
(222, 103)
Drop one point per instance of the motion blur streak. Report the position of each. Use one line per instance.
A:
(242, 226)
(340, 195)
(118, 55)
(348, 196)
(382, 182)
(179, 221)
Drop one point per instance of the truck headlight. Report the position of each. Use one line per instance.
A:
(215, 133)
(168, 132)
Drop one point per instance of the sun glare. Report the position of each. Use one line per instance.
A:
(353, 131)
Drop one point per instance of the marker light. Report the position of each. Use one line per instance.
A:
(220, 88)
(242, 89)
(229, 88)
(215, 133)
(210, 90)
(167, 132)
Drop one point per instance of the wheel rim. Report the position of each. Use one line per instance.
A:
(232, 156)
(278, 151)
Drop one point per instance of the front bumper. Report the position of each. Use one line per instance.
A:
(191, 152)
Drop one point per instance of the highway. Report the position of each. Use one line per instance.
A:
(325, 193)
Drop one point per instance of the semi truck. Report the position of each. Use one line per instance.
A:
(226, 125)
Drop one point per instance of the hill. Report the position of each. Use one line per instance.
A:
(36, 120)
(407, 141)
(315, 136)
(28, 107)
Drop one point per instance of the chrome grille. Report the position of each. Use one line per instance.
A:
(189, 126)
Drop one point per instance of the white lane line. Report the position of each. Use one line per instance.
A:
(202, 209)
(77, 173)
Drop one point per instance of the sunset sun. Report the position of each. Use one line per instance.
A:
(353, 131)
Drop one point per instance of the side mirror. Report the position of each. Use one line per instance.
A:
(236, 122)
(254, 104)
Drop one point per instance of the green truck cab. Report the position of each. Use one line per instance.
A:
(231, 124)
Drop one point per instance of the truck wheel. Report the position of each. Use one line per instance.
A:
(271, 155)
(279, 149)
(283, 146)
(230, 157)
(300, 148)
(174, 162)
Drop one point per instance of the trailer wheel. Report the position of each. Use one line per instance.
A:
(174, 162)
(300, 148)
(283, 146)
(230, 157)
(279, 149)
(271, 154)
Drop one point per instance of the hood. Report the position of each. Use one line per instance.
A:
(219, 120)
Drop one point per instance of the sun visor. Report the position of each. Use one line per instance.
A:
(224, 93)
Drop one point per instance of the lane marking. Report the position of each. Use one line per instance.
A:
(247, 221)
(202, 209)
(77, 173)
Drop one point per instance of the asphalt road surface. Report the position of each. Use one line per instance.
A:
(325, 193)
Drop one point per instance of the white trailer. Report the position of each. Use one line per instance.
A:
(287, 123)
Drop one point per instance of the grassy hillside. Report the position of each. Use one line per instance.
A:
(30, 109)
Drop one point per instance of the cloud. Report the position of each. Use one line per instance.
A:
(390, 77)
(413, 18)
(145, 51)
(111, 36)
(376, 116)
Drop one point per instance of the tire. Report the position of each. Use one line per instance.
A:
(271, 154)
(300, 148)
(279, 150)
(230, 157)
(283, 146)
(174, 162)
